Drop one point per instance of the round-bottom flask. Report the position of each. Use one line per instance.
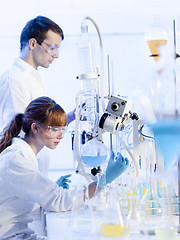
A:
(93, 153)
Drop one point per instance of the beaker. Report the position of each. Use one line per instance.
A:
(81, 217)
(166, 228)
(113, 222)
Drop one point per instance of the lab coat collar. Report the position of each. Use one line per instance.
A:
(24, 66)
(18, 141)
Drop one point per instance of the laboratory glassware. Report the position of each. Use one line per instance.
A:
(89, 94)
(166, 227)
(156, 37)
(113, 223)
(167, 137)
(162, 115)
(81, 217)
(133, 222)
(150, 204)
(88, 77)
(99, 200)
(86, 51)
(164, 107)
(93, 153)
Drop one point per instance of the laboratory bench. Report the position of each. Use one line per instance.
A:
(59, 225)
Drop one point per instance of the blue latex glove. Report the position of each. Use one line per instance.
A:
(63, 181)
(116, 166)
(72, 115)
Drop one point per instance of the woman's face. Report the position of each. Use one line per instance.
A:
(52, 135)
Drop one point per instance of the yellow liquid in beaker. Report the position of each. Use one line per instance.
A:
(112, 230)
(154, 46)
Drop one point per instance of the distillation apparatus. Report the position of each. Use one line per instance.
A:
(90, 104)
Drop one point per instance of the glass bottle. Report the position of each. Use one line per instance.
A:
(150, 206)
(133, 221)
(156, 37)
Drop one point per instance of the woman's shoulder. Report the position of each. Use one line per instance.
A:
(20, 154)
(19, 145)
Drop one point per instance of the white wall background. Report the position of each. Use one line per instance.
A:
(122, 25)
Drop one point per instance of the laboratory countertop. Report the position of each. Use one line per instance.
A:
(62, 225)
(59, 227)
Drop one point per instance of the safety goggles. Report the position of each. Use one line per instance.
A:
(54, 131)
(51, 49)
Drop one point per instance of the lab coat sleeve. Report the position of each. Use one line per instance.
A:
(25, 181)
(13, 98)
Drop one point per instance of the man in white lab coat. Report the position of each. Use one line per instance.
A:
(39, 44)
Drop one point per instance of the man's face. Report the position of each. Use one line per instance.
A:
(44, 54)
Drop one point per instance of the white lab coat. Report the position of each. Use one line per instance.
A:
(22, 185)
(19, 85)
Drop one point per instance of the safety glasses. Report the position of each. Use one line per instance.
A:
(54, 131)
(51, 49)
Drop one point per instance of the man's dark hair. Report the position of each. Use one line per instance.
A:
(37, 28)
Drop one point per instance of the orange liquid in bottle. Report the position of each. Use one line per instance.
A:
(154, 46)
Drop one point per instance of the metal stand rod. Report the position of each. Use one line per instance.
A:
(175, 82)
(179, 189)
(110, 92)
(175, 99)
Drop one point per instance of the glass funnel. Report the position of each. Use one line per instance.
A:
(167, 135)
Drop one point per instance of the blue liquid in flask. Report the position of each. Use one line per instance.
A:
(94, 161)
(93, 153)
